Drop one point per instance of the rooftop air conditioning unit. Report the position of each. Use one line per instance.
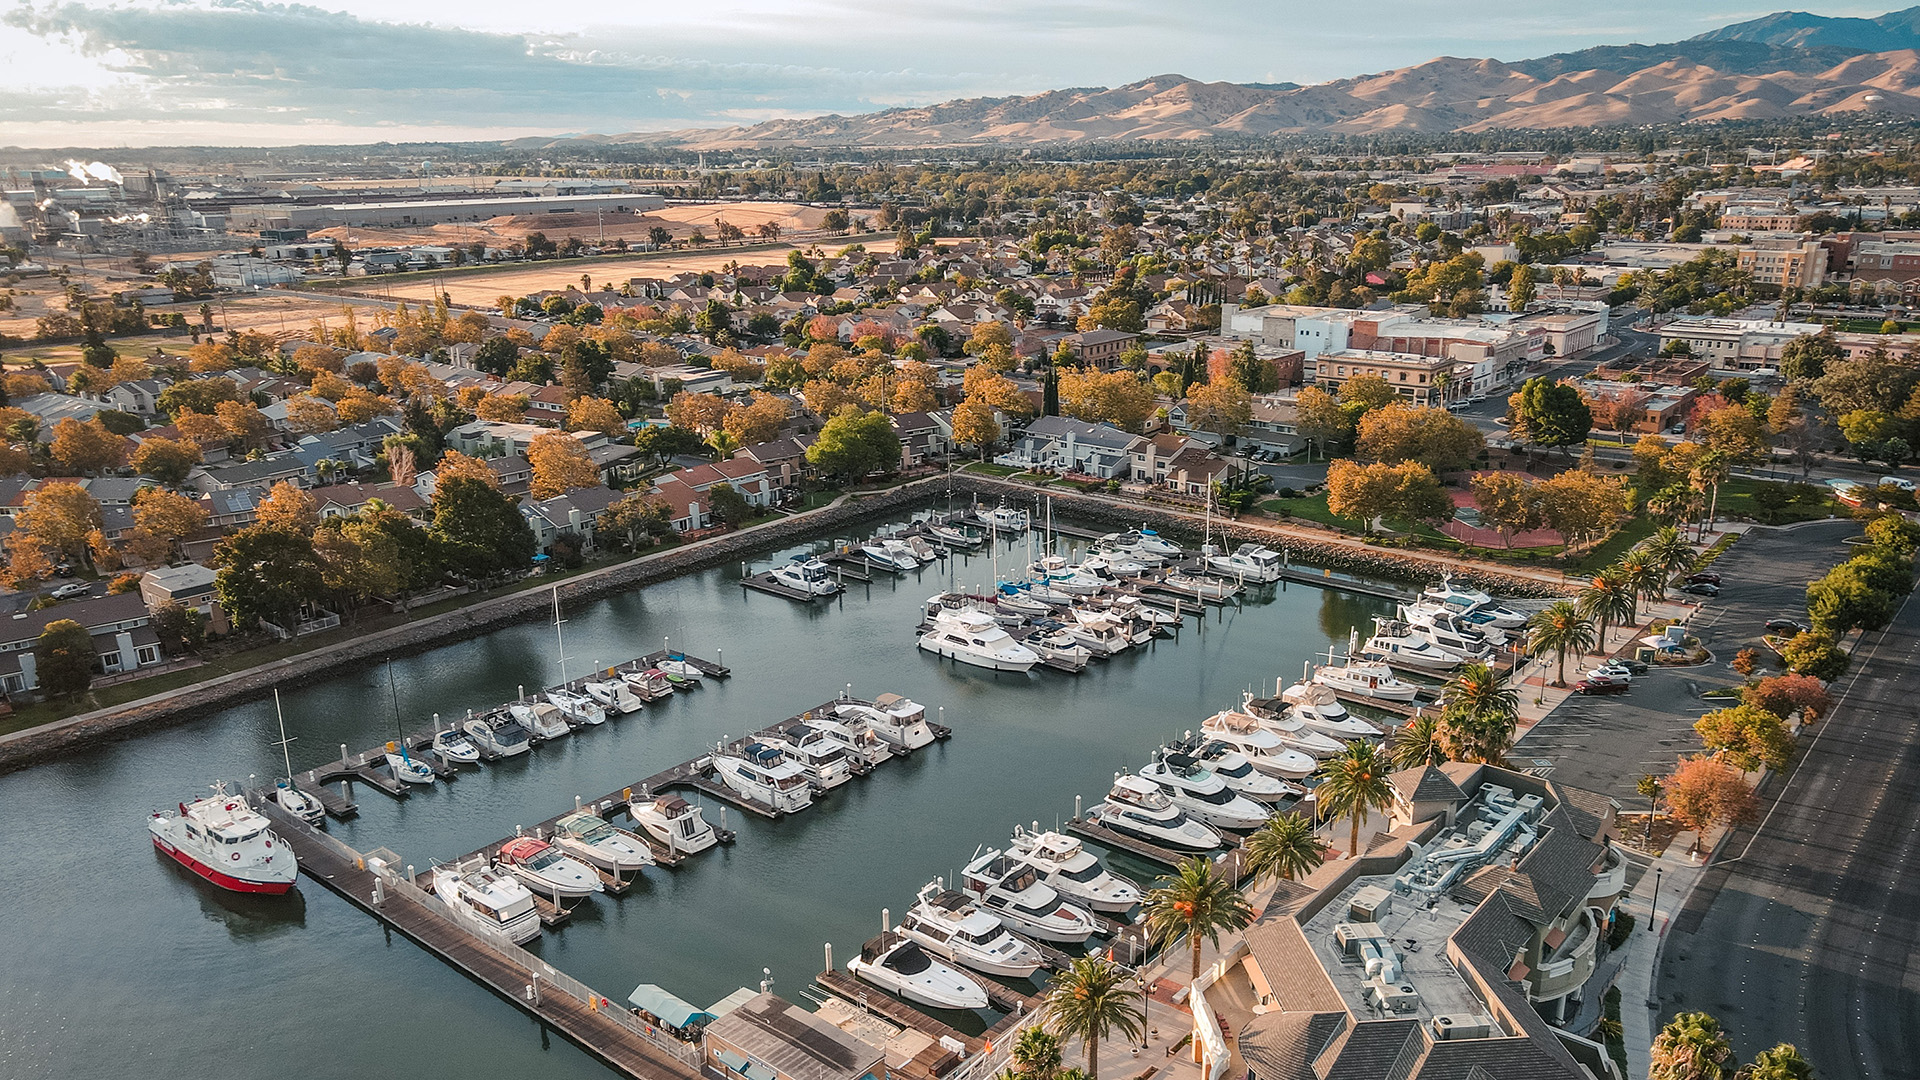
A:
(1447, 1028)
(1349, 936)
(1369, 904)
(1393, 997)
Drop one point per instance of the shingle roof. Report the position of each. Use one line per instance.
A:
(1299, 983)
(1424, 783)
(1283, 1045)
(1371, 1051)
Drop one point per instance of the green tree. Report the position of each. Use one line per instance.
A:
(1286, 847)
(1783, 1062)
(1844, 600)
(1036, 1054)
(1691, 1047)
(1559, 628)
(1549, 413)
(1355, 785)
(1650, 789)
(266, 573)
(480, 531)
(63, 658)
(1520, 289)
(1092, 999)
(1479, 714)
(855, 443)
(1814, 653)
(1607, 601)
(1257, 375)
(729, 505)
(1747, 736)
(1197, 903)
(1671, 552)
(1419, 742)
(1806, 358)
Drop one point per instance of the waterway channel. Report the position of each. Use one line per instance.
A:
(115, 962)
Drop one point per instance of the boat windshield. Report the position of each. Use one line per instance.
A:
(541, 860)
(510, 734)
(1038, 907)
(1086, 874)
(594, 834)
(1218, 798)
(1238, 772)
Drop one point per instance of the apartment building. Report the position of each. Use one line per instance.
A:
(1417, 378)
(1785, 264)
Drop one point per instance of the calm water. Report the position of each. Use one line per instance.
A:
(116, 961)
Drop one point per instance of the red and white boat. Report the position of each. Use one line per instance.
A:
(223, 840)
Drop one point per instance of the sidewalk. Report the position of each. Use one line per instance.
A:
(1639, 1004)
(1534, 676)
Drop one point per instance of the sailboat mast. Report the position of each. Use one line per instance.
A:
(559, 636)
(286, 750)
(393, 695)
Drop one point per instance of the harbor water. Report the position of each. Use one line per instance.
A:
(117, 962)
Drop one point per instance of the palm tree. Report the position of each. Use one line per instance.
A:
(1608, 1029)
(1419, 742)
(1558, 629)
(1783, 1062)
(1091, 1000)
(1607, 602)
(1197, 902)
(1478, 721)
(1285, 848)
(1643, 573)
(1690, 1047)
(1356, 783)
(1036, 1054)
(1671, 552)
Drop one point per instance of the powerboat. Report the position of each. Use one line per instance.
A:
(810, 576)
(1249, 562)
(674, 822)
(1397, 643)
(1062, 576)
(1009, 888)
(947, 923)
(1138, 808)
(453, 745)
(899, 964)
(1132, 607)
(544, 720)
(921, 549)
(298, 803)
(1365, 678)
(1451, 631)
(1015, 601)
(862, 744)
(1248, 735)
(405, 766)
(1237, 770)
(1071, 870)
(1151, 542)
(1203, 588)
(1111, 566)
(679, 671)
(499, 734)
(489, 900)
(1048, 595)
(1204, 796)
(823, 760)
(613, 695)
(955, 536)
(902, 722)
(587, 836)
(227, 842)
(890, 555)
(542, 868)
(649, 685)
(1005, 519)
(1060, 646)
(973, 637)
(763, 774)
(1315, 706)
(578, 707)
(1098, 631)
(1293, 732)
(1474, 604)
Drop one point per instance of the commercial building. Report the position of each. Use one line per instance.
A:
(431, 211)
(1423, 380)
(1734, 344)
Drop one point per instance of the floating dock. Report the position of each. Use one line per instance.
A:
(767, 583)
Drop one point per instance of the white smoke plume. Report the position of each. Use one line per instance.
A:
(8, 218)
(87, 172)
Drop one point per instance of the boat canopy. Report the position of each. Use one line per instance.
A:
(671, 1010)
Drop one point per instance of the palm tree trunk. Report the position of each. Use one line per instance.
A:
(1093, 1056)
(1560, 672)
(1194, 935)
(1353, 834)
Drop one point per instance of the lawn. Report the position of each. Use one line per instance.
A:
(988, 468)
(1736, 500)
(1635, 530)
(1307, 508)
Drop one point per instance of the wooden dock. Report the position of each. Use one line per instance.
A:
(842, 985)
(588, 1020)
(1333, 579)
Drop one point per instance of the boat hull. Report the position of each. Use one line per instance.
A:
(882, 978)
(1406, 692)
(214, 875)
(991, 663)
(683, 845)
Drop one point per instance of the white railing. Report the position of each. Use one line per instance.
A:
(1206, 1026)
(989, 1063)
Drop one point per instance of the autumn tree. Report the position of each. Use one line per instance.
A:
(1581, 506)
(502, 408)
(595, 414)
(1319, 417)
(1368, 493)
(243, 422)
(1747, 737)
(636, 515)
(1815, 655)
(361, 406)
(1222, 406)
(1787, 696)
(560, 464)
(974, 425)
(60, 514)
(1119, 398)
(1507, 502)
(166, 460)
(1704, 792)
(704, 413)
(996, 390)
(1433, 437)
(287, 507)
(29, 560)
(308, 414)
(310, 360)
(757, 421)
(87, 447)
(454, 464)
(168, 515)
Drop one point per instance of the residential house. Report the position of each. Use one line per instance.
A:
(1196, 468)
(349, 499)
(123, 637)
(190, 586)
(1100, 348)
(919, 438)
(1063, 444)
(137, 396)
(115, 490)
(577, 511)
(264, 472)
(784, 460)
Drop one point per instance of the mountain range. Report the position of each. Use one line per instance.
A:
(1787, 64)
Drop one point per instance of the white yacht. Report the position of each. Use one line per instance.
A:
(1098, 631)
(1005, 519)
(489, 900)
(680, 671)
(1111, 566)
(405, 766)
(1263, 748)
(890, 555)
(544, 720)
(810, 576)
(1150, 541)
(648, 685)
(764, 774)
(578, 707)
(948, 924)
(1451, 631)
(1064, 577)
(1366, 679)
(587, 836)
(674, 822)
(1397, 643)
(298, 803)
(1234, 767)
(499, 733)
(1194, 788)
(1249, 562)
(224, 840)
(955, 536)
(1293, 732)
(1125, 546)
(861, 744)
(542, 868)
(1009, 887)
(613, 695)
(823, 760)
(973, 637)
(453, 745)
(1061, 646)
(1132, 607)
(1072, 871)
(1474, 604)
(1014, 601)
(902, 722)
(1203, 588)
(1047, 594)
(899, 964)
(1315, 706)
(1138, 808)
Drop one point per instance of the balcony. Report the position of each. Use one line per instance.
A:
(1612, 880)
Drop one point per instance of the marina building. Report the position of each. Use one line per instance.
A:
(770, 1038)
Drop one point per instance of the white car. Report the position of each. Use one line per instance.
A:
(71, 590)
(1609, 673)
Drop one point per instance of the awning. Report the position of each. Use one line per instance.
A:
(671, 1010)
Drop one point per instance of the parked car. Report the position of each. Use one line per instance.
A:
(1631, 667)
(1784, 626)
(1702, 588)
(1708, 577)
(72, 589)
(1900, 482)
(1609, 673)
(1589, 687)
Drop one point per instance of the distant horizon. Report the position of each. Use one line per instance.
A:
(228, 73)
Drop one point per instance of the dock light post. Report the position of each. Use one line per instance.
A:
(1146, 997)
(1653, 911)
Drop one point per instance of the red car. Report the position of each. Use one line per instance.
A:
(1594, 686)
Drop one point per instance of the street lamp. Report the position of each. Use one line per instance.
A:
(1653, 911)
(1146, 991)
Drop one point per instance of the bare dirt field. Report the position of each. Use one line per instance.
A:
(680, 221)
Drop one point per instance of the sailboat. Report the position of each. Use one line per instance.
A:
(292, 799)
(402, 764)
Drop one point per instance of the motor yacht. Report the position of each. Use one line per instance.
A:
(1397, 643)
(1110, 567)
(1452, 631)
(1237, 770)
(810, 576)
(588, 837)
(899, 964)
(890, 555)
(1474, 604)
(499, 734)
(1098, 631)
(489, 900)
(674, 822)
(1201, 588)
(1366, 679)
(578, 707)
(544, 869)
(762, 773)
(1014, 600)
(649, 685)
(1048, 595)
(405, 766)
(1132, 607)
(1064, 577)
(1072, 871)
(950, 925)
(923, 549)
(290, 798)
(1248, 735)
(822, 759)
(1249, 562)
(454, 745)
(902, 722)
(1293, 732)
(1149, 540)
(1315, 706)
(613, 695)
(862, 745)
(225, 841)
(973, 637)
(1005, 519)
(1009, 888)
(956, 536)
(1204, 796)
(1138, 808)
(1061, 647)
(680, 671)
(543, 720)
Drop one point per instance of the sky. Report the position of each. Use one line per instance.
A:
(251, 72)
